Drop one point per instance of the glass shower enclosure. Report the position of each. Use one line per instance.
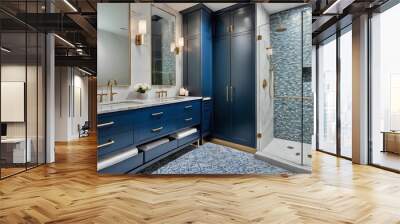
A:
(285, 102)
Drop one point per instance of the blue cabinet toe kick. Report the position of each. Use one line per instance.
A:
(124, 166)
(156, 159)
(159, 150)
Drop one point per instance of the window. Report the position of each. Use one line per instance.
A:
(327, 96)
(385, 89)
(346, 92)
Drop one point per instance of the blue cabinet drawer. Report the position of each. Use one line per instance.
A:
(188, 139)
(111, 143)
(188, 108)
(189, 120)
(109, 124)
(154, 114)
(160, 150)
(150, 131)
(124, 166)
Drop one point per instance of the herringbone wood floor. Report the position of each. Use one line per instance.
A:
(70, 191)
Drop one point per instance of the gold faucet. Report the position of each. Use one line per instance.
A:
(162, 93)
(110, 84)
(101, 96)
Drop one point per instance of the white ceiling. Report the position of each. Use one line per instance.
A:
(278, 7)
(213, 6)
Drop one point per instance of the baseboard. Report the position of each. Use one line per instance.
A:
(276, 161)
(234, 145)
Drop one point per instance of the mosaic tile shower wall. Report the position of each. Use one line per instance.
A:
(293, 101)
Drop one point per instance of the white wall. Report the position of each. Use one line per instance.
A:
(68, 84)
(265, 110)
(141, 55)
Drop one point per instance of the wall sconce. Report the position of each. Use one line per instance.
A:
(139, 40)
(175, 47)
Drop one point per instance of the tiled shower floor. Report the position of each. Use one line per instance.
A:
(211, 158)
(289, 151)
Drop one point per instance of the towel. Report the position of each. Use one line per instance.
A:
(116, 158)
(184, 133)
(154, 144)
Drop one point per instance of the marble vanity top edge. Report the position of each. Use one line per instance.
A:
(116, 108)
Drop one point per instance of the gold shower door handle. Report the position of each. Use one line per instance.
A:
(264, 84)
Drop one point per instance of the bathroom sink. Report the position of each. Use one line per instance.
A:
(123, 102)
(171, 98)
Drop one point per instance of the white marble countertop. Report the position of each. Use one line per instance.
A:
(124, 105)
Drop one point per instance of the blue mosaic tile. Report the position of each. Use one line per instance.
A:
(293, 117)
(212, 159)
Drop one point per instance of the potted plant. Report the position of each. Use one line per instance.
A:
(141, 89)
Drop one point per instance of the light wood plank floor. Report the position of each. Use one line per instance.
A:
(70, 191)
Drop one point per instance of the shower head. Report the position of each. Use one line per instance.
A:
(281, 28)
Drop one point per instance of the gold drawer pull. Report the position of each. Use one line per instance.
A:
(157, 129)
(110, 142)
(188, 119)
(157, 114)
(105, 124)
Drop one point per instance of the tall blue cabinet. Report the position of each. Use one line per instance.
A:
(219, 62)
(234, 75)
(197, 60)
(197, 52)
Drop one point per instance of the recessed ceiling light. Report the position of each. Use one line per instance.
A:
(5, 50)
(70, 5)
(84, 71)
(64, 40)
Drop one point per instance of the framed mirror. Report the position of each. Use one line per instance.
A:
(163, 63)
(113, 43)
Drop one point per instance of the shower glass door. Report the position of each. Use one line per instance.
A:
(285, 98)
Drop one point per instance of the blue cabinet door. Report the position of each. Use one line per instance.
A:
(242, 19)
(206, 54)
(193, 23)
(193, 63)
(243, 91)
(197, 53)
(222, 114)
(222, 24)
(206, 117)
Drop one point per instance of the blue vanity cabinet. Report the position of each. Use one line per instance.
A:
(114, 131)
(153, 122)
(206, 117)
(197, 52)
(190, 114)
(126, 130)
(235, 76)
